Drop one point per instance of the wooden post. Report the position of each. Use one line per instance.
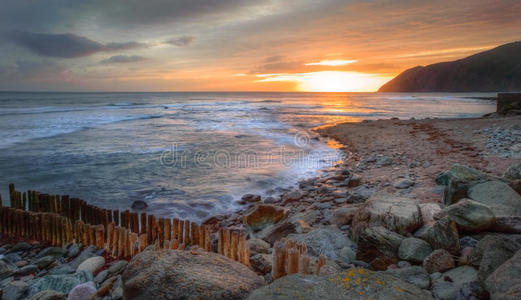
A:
(100, 236)
(167, 230)
(321, 261)
(195, 234)
(160, 228)
(149, 230)
(116, 217)
(110, 237)
(181, 230)
(143, 223)
(226, 243)
(278, 268)
(187, 240)
(132, 243)
(202, 236)
(175, 229)
(242, 248)
(174, 245)
(207, 239)
(235, 244)
(293, 260)
(142, 242)
(220, 242)
(115, 241)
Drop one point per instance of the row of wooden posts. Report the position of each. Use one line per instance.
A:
(60, 220)
(290, 257)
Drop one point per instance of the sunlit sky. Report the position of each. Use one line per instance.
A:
(239, 45)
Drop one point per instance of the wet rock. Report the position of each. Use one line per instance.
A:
(415, 275)
(7, 269)
(491, 252)
(451, 282)
(22, 246)
(52, 251)
(472, 290)
(117, 267)
(150, 275)
(44, 262)
(82, 291)
(12, 257)
(443, 234)
(261, 263)
(48, 295)
(343, 215)
(89, 252)
(275, 232)
(398, 214)
(60, 283)
(28, 269)
(360, 194)
(513, 172)
(101, 276)
(355, 283)
(354, 181)
(264, 214)
(403, 183)
(505, 281)
(250, 198)
(507, 224)
(139, 205)
(15, 290)
(380, 244)
(272, 200)
(414, 250)
(497, 194)
(257, 246)
(73, 250)
(327, 241)
(458, 180)
(438, 261)
(471, 215)
(293, 196)
(92, 264)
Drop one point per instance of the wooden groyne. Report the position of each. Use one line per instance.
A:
(60, 220)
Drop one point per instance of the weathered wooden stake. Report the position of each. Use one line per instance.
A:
(304, 265)
(293, 260)
(278, 268)
(234, 245)
(321, 261)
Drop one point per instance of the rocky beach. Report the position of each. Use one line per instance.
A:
(416, 209)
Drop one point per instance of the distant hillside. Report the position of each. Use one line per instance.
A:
(496, 70)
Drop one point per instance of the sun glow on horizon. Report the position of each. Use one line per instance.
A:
(330, 81)
(332, 63)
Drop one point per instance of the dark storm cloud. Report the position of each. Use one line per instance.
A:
(123, 59)
(66, 45)
(181, 41)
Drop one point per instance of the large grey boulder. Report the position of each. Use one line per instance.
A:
(378, 246)
(399, 214)
(262, 215)
(174, 274)
(443, 234)
(355, 283)
(60, 283)
(414, 250)
(15, 290)
(471, 215)
(438, 261)
(414, 275)
(499, 196)
(52, 251)
(458, 179)
(505, 282)
(513, 172)
(491, 252)
(327, 241)
(448, 285)
(82, 291)
(92, 264)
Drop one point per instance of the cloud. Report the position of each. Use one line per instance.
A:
(123, 59)
(181, 41)
(273, 58)
(65, 45)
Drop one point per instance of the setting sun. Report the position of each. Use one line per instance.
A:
(330, 81)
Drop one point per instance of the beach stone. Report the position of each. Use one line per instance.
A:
(257, 246)
(22, 246)
(460, 172)
(414, 250)
(264, 214)
(507, 224)
(347, 254)
(7, 269)
(60, 283)
(472, 290)
(491, 252)
(505, 281)
(28, 269)
(438, 261)
(464, 258)
(52, 251)
(261, 263)
(272, 200)
(378, 246)
(92, 264)
(293, 196)
(355, 283)
(82, 291)
(45, 261)
(398, 214)
(117, 267)
(15, 290)
(139, 205)
(73, 250)
(343, 215)
(12, 257)
(415, 275)
(275, 232)
(496, 193)
(327, 241)
(450, 283)
(403, 183)
(250, 198)
(360, 194)
(354, 181)
(87, 253)
(513, 172)
(101, 276)
(468, 241)
(427, 211)
(176, 274)
(48, 295)
(443, 234)
(471, 215)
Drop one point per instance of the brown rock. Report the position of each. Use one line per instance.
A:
(257, 246)
(507, 224)
(443, 234)
(343, 215)
(438, 261)
(264, 214)
(505, 281)
(174, 274)
(380, 245)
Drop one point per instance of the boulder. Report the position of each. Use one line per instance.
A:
(443, 234)
(343, 215)
(60, 283)
(513, 172)
(414, 250)
(398, 214)
(82, 291)
(257, 246)
(48, 295)
(355, 283)
(327, 241)
(458, 180)
(52, 251)
(92, 264)
(379, 247)
(428, 210)
(264, 214)
(87, 253)
(471, 215)
(438, 261)
(497, 194)
(505, 281)
(360, 194)
(117, 267)
(507, 224)
(449, 284)
(250, 198)
(403, 183)
(7, 269)
(293, 196)
(177, 274)
(45, 261)
(415, 275)
(261, 263)
(139, 205)
(491, 252)
(15, 290)
(22, 246)
(275, 232)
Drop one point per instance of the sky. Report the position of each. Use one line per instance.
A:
(239, 45)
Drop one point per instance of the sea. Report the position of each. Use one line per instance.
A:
(188, 155)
